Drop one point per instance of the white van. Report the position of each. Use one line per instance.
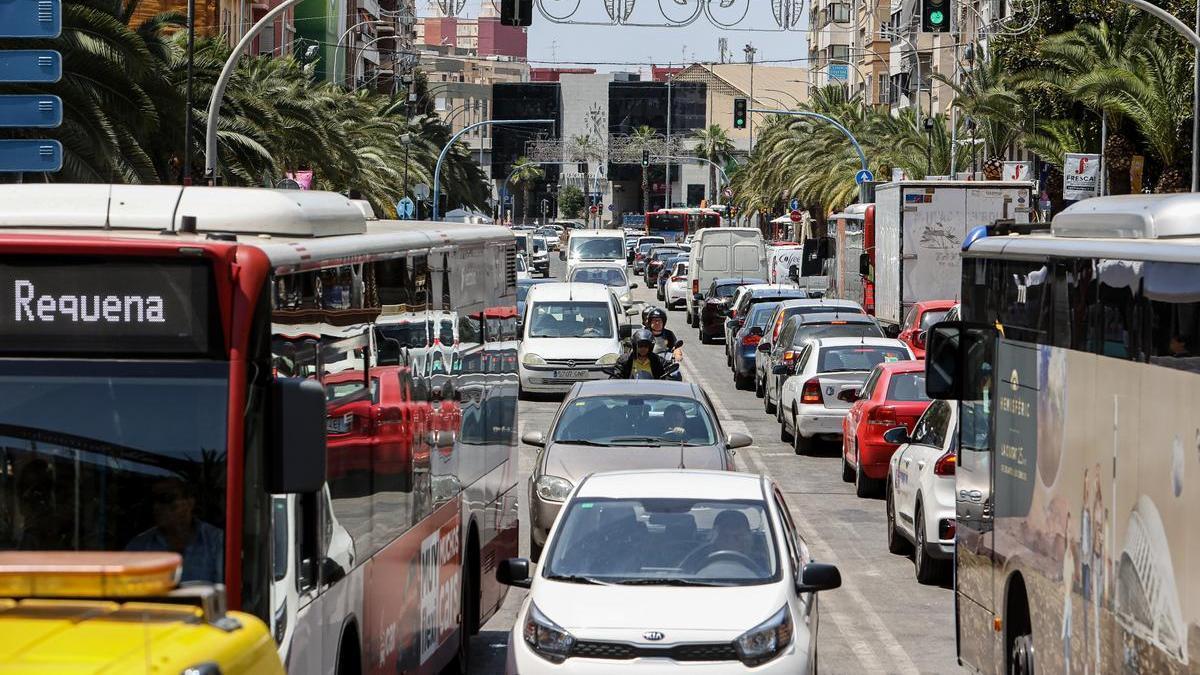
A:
(723, 252)
(595, 246)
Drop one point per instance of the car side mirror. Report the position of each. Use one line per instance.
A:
(957, 356)
(819, 577)
(848, 395)
(632, 311)
(896, 436)
(331, 571)
(779, 369)
(296, 464)
(891, 330)
(921, 337)
(633, 286)
(516, 572)
(535, 438)
(625, 332)
(764, 346)
(736, 440)
(864, 264)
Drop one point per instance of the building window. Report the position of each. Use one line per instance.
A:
(885, 90)
(839, 52)
(840, 13)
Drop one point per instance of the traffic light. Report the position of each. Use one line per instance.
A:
(739, 113)
(935, 16)
(645, 158)
(516, 12)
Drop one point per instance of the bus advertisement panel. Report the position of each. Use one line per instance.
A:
(1078, 462)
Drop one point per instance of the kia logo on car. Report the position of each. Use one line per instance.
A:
(653, 635)
(570, 364)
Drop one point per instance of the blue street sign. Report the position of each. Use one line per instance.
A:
(30, 65)
(30, 155)
(839, 71)
(795, 205)
(864, 176)
(36, 110)
(30, 18)
(405, 208)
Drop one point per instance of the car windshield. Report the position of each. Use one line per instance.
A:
(111, 456)
(609, 276)
(669, 542)
(857, 357)
(598, 248)
(931, 317)
(645, 248)
(571, 319)
(907, 387)
(630, 419)
(836, 329)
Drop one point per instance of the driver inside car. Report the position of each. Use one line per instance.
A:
(731, 533)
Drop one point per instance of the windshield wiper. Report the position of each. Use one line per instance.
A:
(578, 579)
(581, 441)
(642, 439)
(667, 582)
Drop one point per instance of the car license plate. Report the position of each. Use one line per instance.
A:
(570, 374)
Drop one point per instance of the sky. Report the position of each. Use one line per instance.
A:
(560, 41)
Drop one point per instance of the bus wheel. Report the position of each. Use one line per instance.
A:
(1018, 630)
(461, 665)
(1022, 655)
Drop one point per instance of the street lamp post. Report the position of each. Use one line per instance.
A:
(337, 49)
(862, 157)
(750, 51)
(437, 169)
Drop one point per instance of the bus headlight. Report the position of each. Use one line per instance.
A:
(531, 359)
(553, 488)
(608, 359)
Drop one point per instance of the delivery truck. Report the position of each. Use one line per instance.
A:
(919, 231)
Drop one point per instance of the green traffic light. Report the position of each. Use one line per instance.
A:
(936, 17)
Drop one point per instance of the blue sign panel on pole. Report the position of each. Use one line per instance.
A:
(795, 205)
(30, 155)
(35, 110)
(839, 71)
(864, 176)
(404, 208)
(30, 18)
(30, 65)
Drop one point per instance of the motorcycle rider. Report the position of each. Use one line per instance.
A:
(655, 320)
(642, 358)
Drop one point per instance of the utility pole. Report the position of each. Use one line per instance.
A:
(750, 51)
(667, 202)
(187, 123)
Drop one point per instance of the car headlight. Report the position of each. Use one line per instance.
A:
(531, 359)
(607, 359)
(766, 640)
(553, 488)
(549, 640)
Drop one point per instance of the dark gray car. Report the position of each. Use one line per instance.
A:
(608, 425)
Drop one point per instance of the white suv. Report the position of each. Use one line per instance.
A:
(812, 401)
(571, 332)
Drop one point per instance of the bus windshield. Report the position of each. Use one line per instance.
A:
(664, 222)
(110, 456)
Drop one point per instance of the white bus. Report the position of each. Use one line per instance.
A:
(1078, 476)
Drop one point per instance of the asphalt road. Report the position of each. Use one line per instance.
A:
(880, 621)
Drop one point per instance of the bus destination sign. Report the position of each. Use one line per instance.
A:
(90, 307)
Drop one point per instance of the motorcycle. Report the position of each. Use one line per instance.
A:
(671, 370)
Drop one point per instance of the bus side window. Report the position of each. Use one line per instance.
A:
(1171, 294)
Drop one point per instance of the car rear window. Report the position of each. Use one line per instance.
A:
(833, 329)
(857, 357)
(931, 317)
(907, 387)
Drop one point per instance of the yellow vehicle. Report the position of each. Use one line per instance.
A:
(121, 612)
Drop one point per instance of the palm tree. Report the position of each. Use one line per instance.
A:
(1157, 99)
(986, 95)
(525, 173)
(644, 136)
(714, 145)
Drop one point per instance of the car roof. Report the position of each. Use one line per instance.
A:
(774, 290)
(819, 302)
(672, 483)
(927, 305)
(857, 342)
(558, 290)
(599, 233)
(820, 317)
(644, 388)
(906, 366)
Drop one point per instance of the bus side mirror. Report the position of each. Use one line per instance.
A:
(864, 264)
(957, 360)
(296, 462)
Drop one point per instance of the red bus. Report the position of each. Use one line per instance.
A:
(208, 370)
(677, 224)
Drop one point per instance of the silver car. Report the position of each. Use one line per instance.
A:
(607, 425)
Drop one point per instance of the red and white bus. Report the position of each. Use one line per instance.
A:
(178, 367)
(676, 224)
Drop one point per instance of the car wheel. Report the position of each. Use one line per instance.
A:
(659, 295)
(768, 406)
(864, 486)
(847, 471)
(779, 406)
(758, 387)
(802, 445)
(535, 551)
(728, 355)
(742, 382)
(785, 435)
(929, 571)
(896, 542)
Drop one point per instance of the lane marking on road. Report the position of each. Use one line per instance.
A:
(863, 649)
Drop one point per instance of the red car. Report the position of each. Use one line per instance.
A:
(920, 317)
(892, 396)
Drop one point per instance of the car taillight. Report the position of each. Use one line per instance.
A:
(811, 392)
(696, 286)
(884, 415)
(678, 278)
(751, 340)
(947, 528)
(945, 464)
(733, 313)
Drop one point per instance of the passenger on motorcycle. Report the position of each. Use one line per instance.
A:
(655, 320)
(641, 361)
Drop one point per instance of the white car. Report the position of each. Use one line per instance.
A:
(522, 267)
(812, 402)
(650, 571)
(571, 332)
(610, 274)
(677, 286)
(920, 491)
